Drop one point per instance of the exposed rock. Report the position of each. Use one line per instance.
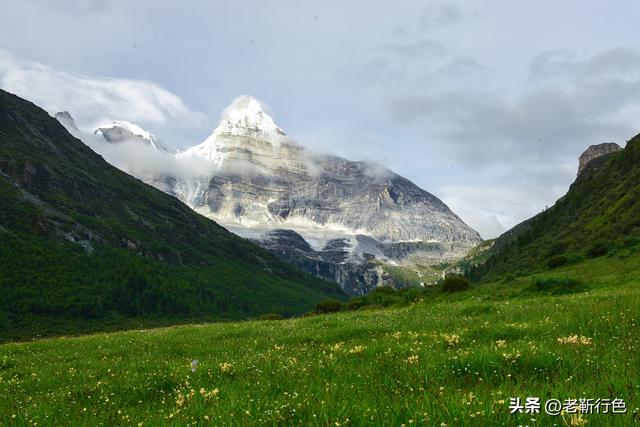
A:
(332, 262)
(595, 151)
(65, 118)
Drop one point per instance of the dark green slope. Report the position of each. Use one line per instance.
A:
(84, 245)
(599, 215)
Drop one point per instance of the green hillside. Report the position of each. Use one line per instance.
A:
(84, 246)
(600, 214)
(450, 359)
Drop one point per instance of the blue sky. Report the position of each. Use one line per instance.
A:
(485, 104)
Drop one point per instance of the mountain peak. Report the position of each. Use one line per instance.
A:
(65, 118)
(121, 130)
(244, 119)
(245, 116)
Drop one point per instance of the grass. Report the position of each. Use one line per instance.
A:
(453, 359)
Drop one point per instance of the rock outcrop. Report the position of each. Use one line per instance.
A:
(595, 151)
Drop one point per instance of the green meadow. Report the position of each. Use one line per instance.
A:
(442, 359)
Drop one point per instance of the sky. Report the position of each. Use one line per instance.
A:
(487, 105)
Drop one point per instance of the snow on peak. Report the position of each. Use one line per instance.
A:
(129, 127)
(244, 117)
(121, 130)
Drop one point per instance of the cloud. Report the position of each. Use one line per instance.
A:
(410, 49)
(440, 14)
(144, 161)
(592, 103)
(518, 150)
(94, 101)
(491, 209)
(621, 63)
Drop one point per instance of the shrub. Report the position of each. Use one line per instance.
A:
(509, 277)
(383, 290)
(455, 283)
(328, 306)
(557, 261)
(411, 294)
(354, 304)
(557, 248)
(597, 249)
(558, 285)
(272, 316)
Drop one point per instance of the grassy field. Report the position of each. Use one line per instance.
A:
(451, 360)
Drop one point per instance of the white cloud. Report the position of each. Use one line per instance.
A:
(94, 101)
(493, 209)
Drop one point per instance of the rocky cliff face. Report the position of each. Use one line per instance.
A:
(347, 213)
(595, 151)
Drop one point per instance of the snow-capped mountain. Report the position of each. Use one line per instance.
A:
(339, 219)
(244, 118)
(262, 181)
(120, 131)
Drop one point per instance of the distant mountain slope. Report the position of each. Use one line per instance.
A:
(79, 239)
(600, 212)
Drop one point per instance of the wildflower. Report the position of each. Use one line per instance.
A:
(226, 367)
(574, 419)
(511, 357)
(452, 340)
(194, 365)
(357, 349)
(501, 343)
(209, 394)
(576, 340)
(413, 360)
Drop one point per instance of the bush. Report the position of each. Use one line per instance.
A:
(383, 290)
(557, 248)
(329, 306)
(411, 294)
(557, 261)
(558, 285)
(455, 283)
(354, 304)
(272, 316)
(597, 249)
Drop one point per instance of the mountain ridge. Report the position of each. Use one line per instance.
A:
(598, 214)
(108, 246)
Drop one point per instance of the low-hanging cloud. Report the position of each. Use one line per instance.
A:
(144, 161)
(91, 100)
